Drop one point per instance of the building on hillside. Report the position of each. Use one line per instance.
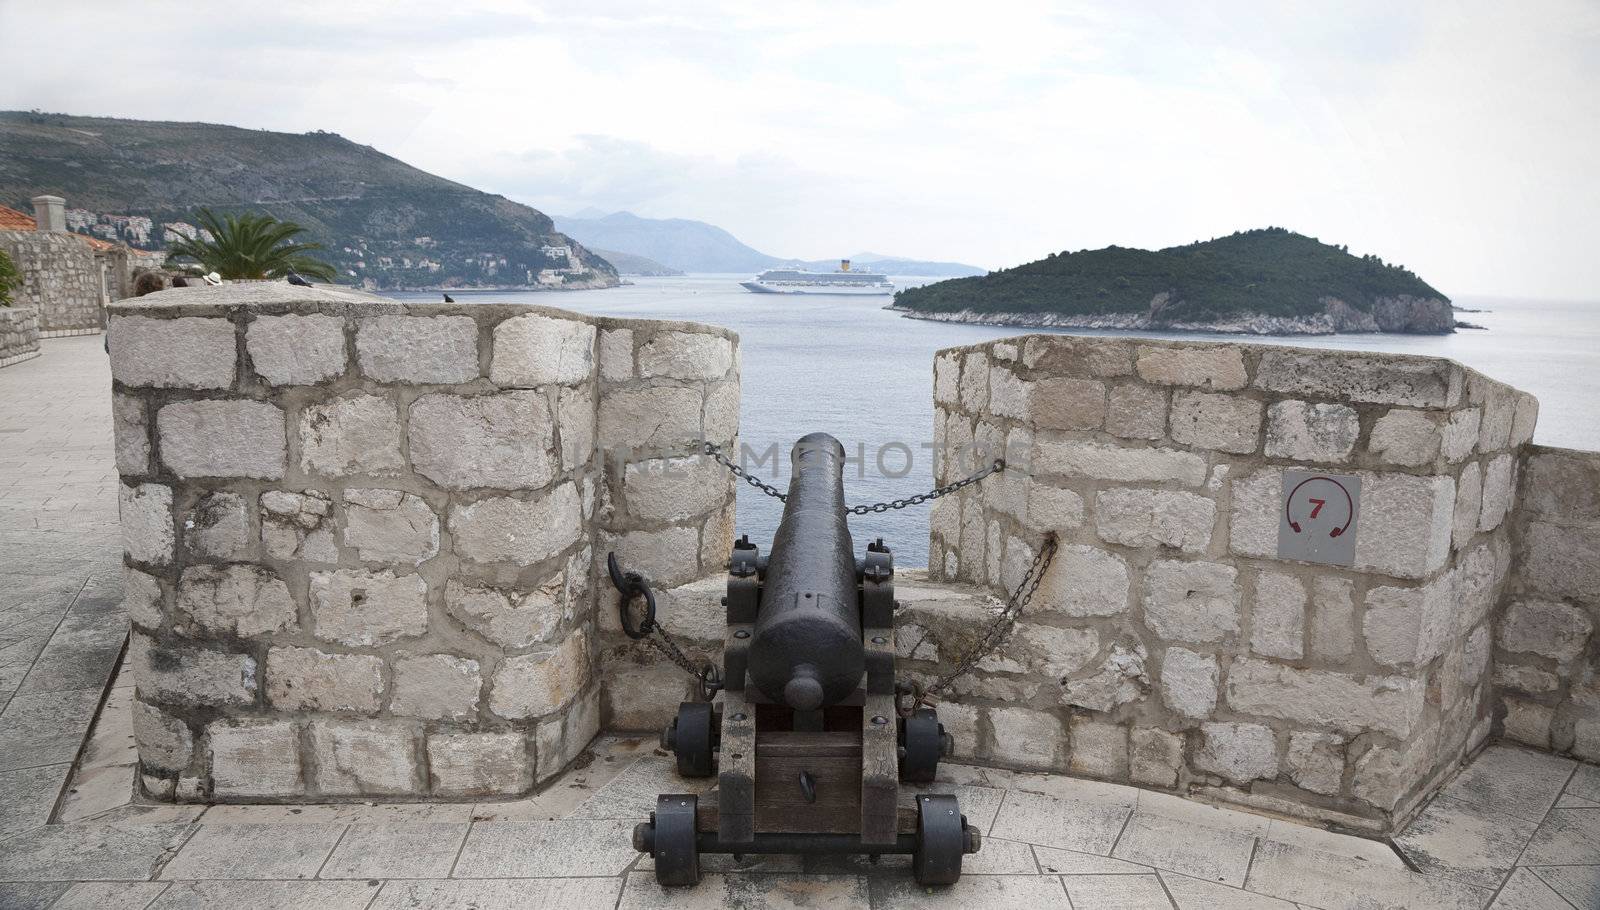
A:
(69, 278)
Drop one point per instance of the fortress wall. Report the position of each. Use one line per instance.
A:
(363, 538)
(62, 277)
(1170, 645)
(19, 334)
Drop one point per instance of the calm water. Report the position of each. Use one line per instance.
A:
(845, 366)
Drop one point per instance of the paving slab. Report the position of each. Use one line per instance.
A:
(1071, 862)
(632, 794)
(1068, 824)
(972, 892)
(1524, 890)
(500, 894)
(45, 728)
(1566, 837)
(1116, 892)
(340, 814)
(1194, 894)
(74, 853)
(1506, 780)
(1464, 842)
(1333, 882)
(27, 796)
(1367, 850)
(110, 896)
(1198, 851)
(267, 895)
(1585, 783)
(256, 852)
(30, 895)
(1580, 885)
(978, 804)
(547, 849)
(396, 851)
(777, 892)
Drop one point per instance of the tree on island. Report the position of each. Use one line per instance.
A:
(249, 246)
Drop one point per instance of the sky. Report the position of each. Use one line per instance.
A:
(1456, 138)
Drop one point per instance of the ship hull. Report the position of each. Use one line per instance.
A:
(757, 287)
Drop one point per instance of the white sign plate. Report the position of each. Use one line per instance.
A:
(1317, 517)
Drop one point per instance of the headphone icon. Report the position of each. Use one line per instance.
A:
(1350, 513)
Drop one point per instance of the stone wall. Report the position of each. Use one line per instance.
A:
(363, 538)
(19, 334)
(1169, 646)
(1547, 655)
(62, 277)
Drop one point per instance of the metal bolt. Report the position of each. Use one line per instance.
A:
(879, 719)
(739, 716)
(741, 634)
(879, 639)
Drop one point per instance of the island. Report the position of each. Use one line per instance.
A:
(1270, 281)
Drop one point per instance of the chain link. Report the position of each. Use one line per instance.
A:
(708, 675)
(999, 464)
(715, 451)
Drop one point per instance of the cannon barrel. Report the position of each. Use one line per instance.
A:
(807, 651)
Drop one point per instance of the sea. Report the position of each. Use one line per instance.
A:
(846, 366)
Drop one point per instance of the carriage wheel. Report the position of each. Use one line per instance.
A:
(941, 840)
(922, 737)
(672, 846)
(690, 738)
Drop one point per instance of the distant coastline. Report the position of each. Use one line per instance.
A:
(1435, 317)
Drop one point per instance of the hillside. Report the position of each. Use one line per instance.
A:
(629, 264)
(386, 224)
(1269, 281)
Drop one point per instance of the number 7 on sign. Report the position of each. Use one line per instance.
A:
(1317, 505)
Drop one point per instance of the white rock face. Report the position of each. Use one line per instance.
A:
(946, 379)
(1191, 601)
(1103, 461)
(390, 526)
(296, 350)
(616, 354)
(1546, 628)
(1406, 437)
(1316, 761)
(1154, 757)
(1311, 431)
(517, 531)
(1189, 682)
(502, 441)
(1278, 616)
(164, 742)
(1121, 679)
(243, 600)
(478, 764)
(254, 758)
(512, 619)
(1405, 524)
(1352, 704)
(1332, 618)
(534, 685)
(537, 350)
(1151, 518)
(1058, 402)
(1459, 436)
(418, 349)
(223, 438)
(298, 525)
(1239, 752)
(189, 353)
(359, 608)
(354, 434)
(721, 420)
(1098, 749)
(1026, 738)
(672, 489)
(1371, 379)
(218, 527)
(663, 419)
(364, 758)
(145, 512)
(974, 381)
(306, 679)
(1136, 411)
(685, 355)
(1222, 422)
(436, 687)
(130, 434)
(1051, 508)
(575, 422)
(1084, 581)
(1216, 368)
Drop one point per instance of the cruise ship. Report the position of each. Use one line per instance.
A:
(800, 281)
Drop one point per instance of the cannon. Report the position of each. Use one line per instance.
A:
(807, 744)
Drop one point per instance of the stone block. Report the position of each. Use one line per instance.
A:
(364, 609)
(1406, 437)
(479, 764)
(418, 349)
(1008, 394)
(665, 419)
(1499, 403)
(1238, 752)
(1121, 678)
(1191, 601)
(1406, 627)
(1049, 508)
(1332, 618)
(1083, 581)
(974, 390)
(165, 743)
(298, 525)
(534, 685)
(1315, 761)
(517, 531)
(685, 355)
(1376, 379)
(1563, 486)
(1459, 435)
(509, 618)
(222, 438)
(1559, 561)
(1136, 411)
(1025, 738)
(641, 692)
(503, 441)
(1586, 739)
(946, 379)
(1499, 491)
(616, 354)
(253, 759)
(1311, 431)
(1063, 403)
(436, 687)
(575, 424)
(1099, 749)
(241, 600)
(188, 674)
(355, 433)
(1405, 524)
(218, 527)
(1151, 518)
(1528, 722)
(560, 740)
(1383, 775)
(1226, 423)
(1217, 368)
(1105, 461)
(142, 598)
(390, 526)
(1036, 648)
(1154, 757)
(189, 353)
(130, 434)
(1189, 682)
(1469, 502)
(535, 350)
(1345, 702)
(1278, 616)
(306, 679)
(673, 489)
(1546, 628)
(145, 513)
(721, 418)
(667, 557)
(296, 350)
(1102, 358)
(365, 758)
(1531, 680)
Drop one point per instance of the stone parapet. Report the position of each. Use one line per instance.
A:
(19, 334)
(363, 538)
(63, 277)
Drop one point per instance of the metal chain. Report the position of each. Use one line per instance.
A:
(998, 630)
(999, 464)
(710, 679)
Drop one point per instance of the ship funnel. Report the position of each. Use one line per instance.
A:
(844, 265)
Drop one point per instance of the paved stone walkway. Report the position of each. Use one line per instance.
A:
(1518, 830)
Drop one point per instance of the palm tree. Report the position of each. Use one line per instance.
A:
(250, 246)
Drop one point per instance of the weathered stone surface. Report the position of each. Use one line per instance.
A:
(364, 758)
(504, 441)
(1528, 722)
(479, 764)
(1009, 395)
(145, 513)
(575, 425)
(1149, 518)
(129, 429)
(946, 379)
(188, 674)
(1316, 761)
(1136, 411)
(1525, 679)
(667, 557)
(721, 420)
(1469, 501)
(361, 608)
(974, 391)
(296, 350)
(1549, 629)
(1036, 648)
(533, 685)
(1499, 490)
(306, 679)
(685, 355)
(1104, 461)
(1121, 678)
(222, 438)
(436, 687)
(218, 527)
(1563, 486)
(1278, 616)
(298, 525)
(165, 742)
(1189, 682)
(511, 619)
(1499, 404)
(1026, 738)
(561, 739)
(189, 353)
(1377, 379)
(1559, 561)
(141, 598)
(1239, 752)
(418, 349)
(1332, 618)
(1383, 775)
(616, 354)
(1459, 436)
(1311, 431)
(1061, 403)
(1051, 508)
(1223, 422)
(1253, 525)
(1083, 581)
(1191, 601)
(1101, 358)
(1406, 437)
(355, 433)
(1352, 704)
(640, 692)
(1219, 368)
(518, 531)
(1405, 524)
(673, 489)
(1154, 757)
(663, 419)
(390, 526)
(251, 758)
(535, 350)
(1098, 749)
(243, 600)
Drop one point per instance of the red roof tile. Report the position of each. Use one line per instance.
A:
(13, 220)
